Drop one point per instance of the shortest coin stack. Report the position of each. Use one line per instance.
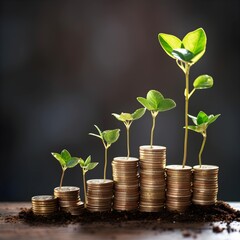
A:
(205, 184)
(178, 187)
(99, 195)
(44, 205)
(69, 199)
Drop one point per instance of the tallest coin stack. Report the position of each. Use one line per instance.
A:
(152, 178)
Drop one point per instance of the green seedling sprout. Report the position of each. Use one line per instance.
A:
(127, 119)
(155, 103)
(66, 161)
(187, 52)
(86, 166)
(202, 121)
(108, 137)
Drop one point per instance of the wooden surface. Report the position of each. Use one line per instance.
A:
(126, 231)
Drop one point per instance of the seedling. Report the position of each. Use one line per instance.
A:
(86, 166)
(108, 137)
(127, 119)
(155, 103)
(187, 52)
(202, 121)
(66, 161)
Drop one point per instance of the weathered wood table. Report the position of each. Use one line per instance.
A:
(126, 230)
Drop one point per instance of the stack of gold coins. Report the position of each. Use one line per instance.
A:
(126, 183)
(44, 205)
(69, 199)
(99, 195)
(152, 178)
(205, 184)
(178, 187)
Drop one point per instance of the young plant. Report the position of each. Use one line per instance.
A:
(187, 52)
(155, 103)
(66, 161)
(127, 119)
(108, 137)
(202, 121)
(86, 166)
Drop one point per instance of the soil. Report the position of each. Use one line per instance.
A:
(220, 212)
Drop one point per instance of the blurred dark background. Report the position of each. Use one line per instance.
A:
(67, 65)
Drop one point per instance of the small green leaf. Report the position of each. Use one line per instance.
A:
(81, 162)
(72, 162)
(166, 104)
(118, 117)
(91, 166)
(87, 161)
(138, 113)
(212, 118)
(126, 116)
(65, 155)
(59, 158)
(194, 119)
(169, 42)
(111, 136)
(154, 97)
(195, 42)
(203, 82)
(146, 103)
(183, 54)
(202, 117)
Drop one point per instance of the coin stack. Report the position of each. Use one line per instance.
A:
(152, 178)
(99, 195)
(205, 184)
(126, 183)
(178, 187)
(69, 199)
(44, 205)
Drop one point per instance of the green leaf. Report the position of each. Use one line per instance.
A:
(154, 97)
(195, 42)
(118, 117)
(203, 82)
(126, 116)
(202, 117)
(183, 54)
(166, 104)
(212, 118)
(146, 103)
(169, 42)
(81, 162)
(87, 161)
(66, 155)
(91, 166)
(138, 113)
(111, 136)
(59, 158)
(72, 162)
(194, 119)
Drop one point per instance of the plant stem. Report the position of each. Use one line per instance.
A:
(187, 69)
(61, 181)
(105, 165)
(128, 142)
(85, 191)
(154, 115)
(202, 147)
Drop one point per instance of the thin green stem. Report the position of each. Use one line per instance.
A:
(85, 190)
(105, 164)
(187, 69)
(154, 115)
(202, 147)
(61, 181)
(128, 141)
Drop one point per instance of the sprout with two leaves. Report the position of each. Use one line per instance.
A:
(127, 119)
(66, 161)
(202, 121)
(86, 166)
(108, 137)
(155, 103)
(187, 52)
